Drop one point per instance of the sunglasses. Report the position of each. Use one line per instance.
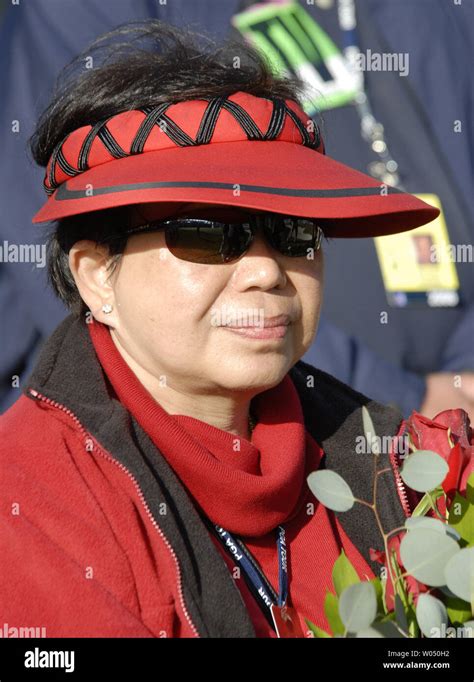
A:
(213, 242)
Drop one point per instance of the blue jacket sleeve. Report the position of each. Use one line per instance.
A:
(352, 362)
(459, 352)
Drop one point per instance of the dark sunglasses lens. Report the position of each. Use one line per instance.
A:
(293, 237)
(207, 242)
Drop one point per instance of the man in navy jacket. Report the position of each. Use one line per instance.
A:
(409, 362)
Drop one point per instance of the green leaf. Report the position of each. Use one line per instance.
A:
(331, 611)
(453, 532)
(401, 589)
(369, 431)
(424, 553)
(470, 489)
(431, 615)
(403, 600)
(331, 490)
(459, 572)
(425, 522)
(317, 632)
(461, 518)
(400, 614)
(343, 574)
(424, 470)
(459, 611)
(435, 524)
(376, 630)
(358, 606)
(378, 587)
(469, 629)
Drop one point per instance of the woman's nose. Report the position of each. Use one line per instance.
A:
(260, 267)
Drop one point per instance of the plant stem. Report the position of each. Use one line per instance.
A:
(382, 471)
(367, 504)
(379, 523)
(435, 509)
(396, 530)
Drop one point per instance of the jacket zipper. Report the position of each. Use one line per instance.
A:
(401, 489)
(102, 453)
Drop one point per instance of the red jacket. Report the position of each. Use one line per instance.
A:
(98, 535)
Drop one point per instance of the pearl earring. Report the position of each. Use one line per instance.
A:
(107, 308)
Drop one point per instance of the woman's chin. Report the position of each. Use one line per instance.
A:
(258, 376)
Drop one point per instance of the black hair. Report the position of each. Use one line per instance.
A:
(138, 64)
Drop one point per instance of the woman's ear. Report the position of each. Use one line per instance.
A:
(89, 264)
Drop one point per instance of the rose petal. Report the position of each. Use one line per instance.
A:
(459, 423)
(427, 434)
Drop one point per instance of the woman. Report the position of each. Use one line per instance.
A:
(155, 466)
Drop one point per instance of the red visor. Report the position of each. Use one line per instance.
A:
(242, 151)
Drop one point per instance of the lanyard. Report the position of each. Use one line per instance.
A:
(258, 584)
(386, 169)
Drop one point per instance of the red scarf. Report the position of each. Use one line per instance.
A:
(248, 492)
(252, 490)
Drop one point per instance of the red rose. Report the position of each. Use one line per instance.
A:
(432, 434)
(429, 434)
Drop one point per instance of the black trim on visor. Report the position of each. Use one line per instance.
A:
(65, 194)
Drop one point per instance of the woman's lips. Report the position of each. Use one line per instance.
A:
(273, 328)
(260, 332)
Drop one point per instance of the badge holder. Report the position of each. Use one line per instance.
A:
(286, 621)
(418, 267)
